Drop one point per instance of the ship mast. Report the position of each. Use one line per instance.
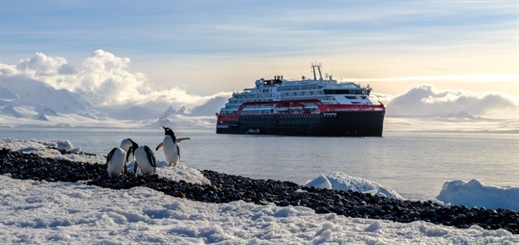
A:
(318, 66)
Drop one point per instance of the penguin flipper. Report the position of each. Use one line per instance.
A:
(182, 139)
(159, 146)
(110, 155)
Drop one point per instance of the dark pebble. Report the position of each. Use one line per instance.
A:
(227, 188)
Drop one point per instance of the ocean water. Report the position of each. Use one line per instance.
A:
(415, 164)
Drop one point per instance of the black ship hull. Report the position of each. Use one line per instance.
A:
(356, 123)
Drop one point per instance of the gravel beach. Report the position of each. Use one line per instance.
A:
(227, 188)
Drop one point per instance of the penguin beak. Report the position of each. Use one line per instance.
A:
(164, 127)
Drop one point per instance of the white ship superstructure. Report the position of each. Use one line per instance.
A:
(327, 90)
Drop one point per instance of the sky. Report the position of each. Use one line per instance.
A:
(201, 48)
(56, 212)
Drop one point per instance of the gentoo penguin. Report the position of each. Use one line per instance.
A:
(129, 146)
(115, 162)
(171, 149)
(145, 160)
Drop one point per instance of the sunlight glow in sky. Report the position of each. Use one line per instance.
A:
(221, 46)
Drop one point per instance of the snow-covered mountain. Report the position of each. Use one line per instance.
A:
(169, 112)
(38, 98)
(25, 101)
(210, 107)
(463, 115)
(28, 102)
(182, 119)
(184, 111)
(135, 113)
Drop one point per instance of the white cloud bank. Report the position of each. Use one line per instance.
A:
(103, 78)
(427, 101)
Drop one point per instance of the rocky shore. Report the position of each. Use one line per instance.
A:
(227, 188)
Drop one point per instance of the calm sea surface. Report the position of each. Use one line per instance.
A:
(414, 164)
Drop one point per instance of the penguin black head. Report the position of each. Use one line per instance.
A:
(168, 131)
(134, 146)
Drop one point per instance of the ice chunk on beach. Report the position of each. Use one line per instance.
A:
(476, 194)
(342, 181)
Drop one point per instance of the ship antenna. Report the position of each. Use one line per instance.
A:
(320, 75)
(318, 66)
(313, 68)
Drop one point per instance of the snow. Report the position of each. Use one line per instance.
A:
(170, 111)
(475, 193)
(42, 149)
(54, 212)
(342, 181)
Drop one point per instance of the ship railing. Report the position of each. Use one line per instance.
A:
(372, 108)
(319, 105)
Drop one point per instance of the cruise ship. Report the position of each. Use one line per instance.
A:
(314, 106)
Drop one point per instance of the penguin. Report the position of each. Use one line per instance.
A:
(129, 146)
(171, 149)
(145, 160)
(115, 162)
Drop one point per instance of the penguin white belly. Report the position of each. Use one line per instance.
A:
(170, 150)
(115, 162)
(146, 166)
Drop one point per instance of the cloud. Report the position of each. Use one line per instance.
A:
(106, 80)
(426, 100)
(103, 78)
(41, 65)
(7, 70)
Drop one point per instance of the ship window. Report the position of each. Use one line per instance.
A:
(351, 97)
